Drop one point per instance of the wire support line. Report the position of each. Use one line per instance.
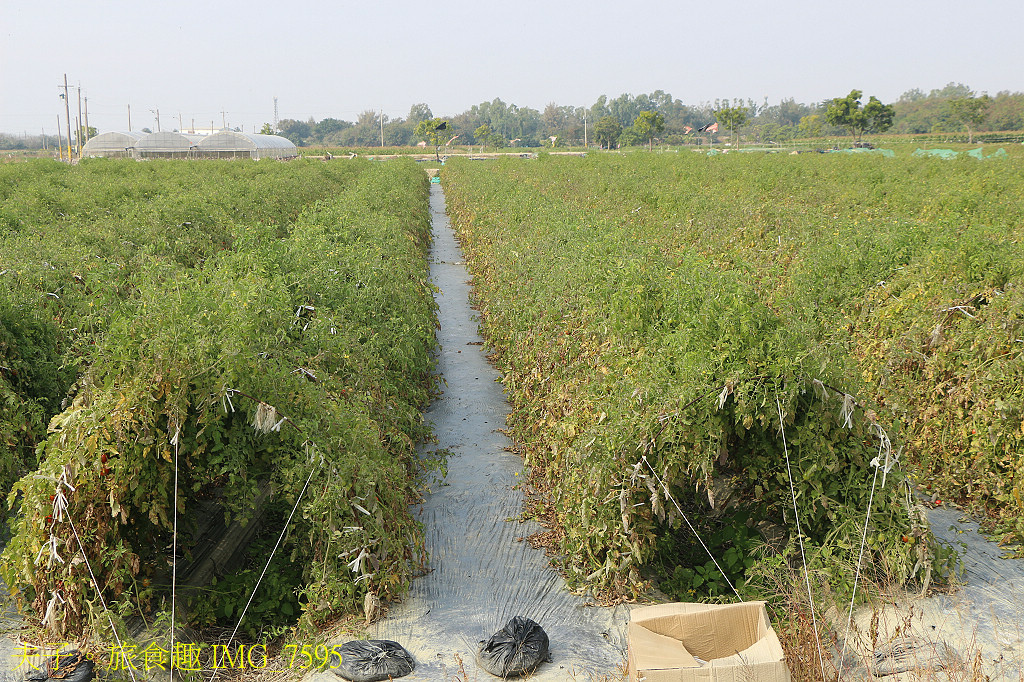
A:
(856, 575)
(259, 580)
(800, 538)
(670, 496)
(103, 602)
(174, 549)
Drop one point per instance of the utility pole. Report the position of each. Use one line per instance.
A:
(224, 120)
(382, 128)
(129, 118)
(60, 142)
(44, 138)
(181, 126)
(67, 114)
(157, 112)
(585, 145)
(78, 123)
(86, 119)
(277, 120)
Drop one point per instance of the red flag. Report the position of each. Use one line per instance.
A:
(713, 128)
(687, 130)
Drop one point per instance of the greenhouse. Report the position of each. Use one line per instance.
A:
(167, 145)
(112, 145)
(228, 144)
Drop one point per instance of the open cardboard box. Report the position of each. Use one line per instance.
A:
(708, 642)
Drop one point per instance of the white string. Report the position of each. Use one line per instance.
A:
(103, 603)
(694, 530)
(174, 548)
(800, 537)
(269, 559)
(863, 541)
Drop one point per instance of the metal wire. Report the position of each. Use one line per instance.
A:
(860, 557)
(284, 530)
(800, 538)
(174, 550)
(103, 603)
(692, 529)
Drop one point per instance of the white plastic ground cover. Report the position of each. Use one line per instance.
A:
(981, 623)
(482, 572)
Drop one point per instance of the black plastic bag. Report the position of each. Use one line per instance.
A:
(70, 666)
(370, 660)
(516, 649)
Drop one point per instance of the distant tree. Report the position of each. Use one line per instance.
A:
(648, 125)
(969, 112)
(1006, 111)
(7, 142)
(266, 129)
(951, 91)
(599, 109)
(936, 113)
(330, 125)
(731, 118)
(419, 112)
(398, 133)
(487, 137)
(789, 112)
(433, 131)
(811, 125)
(607, 131)
(630, 138)
(365, 132)
(296, 131)
(914, 95)
(555, 117)
(848, 113)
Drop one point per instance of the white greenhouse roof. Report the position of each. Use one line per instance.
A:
(223, 144)
(167, 142)
(111, 143)
(231, 140)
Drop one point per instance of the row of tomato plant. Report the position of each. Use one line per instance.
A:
(657, 316)
(910, 271)
(183, 305)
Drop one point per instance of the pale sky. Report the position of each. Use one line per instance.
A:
(339, 58)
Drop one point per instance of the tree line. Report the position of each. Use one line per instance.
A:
(614, 122)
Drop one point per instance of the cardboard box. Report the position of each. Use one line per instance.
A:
(705, 642)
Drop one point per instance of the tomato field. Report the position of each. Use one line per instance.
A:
(655, 315)
(713, 347)
(195, 331)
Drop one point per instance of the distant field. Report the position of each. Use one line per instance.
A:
(902, 144)
(1010, 141)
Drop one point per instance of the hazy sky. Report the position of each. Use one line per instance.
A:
(339, 58)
